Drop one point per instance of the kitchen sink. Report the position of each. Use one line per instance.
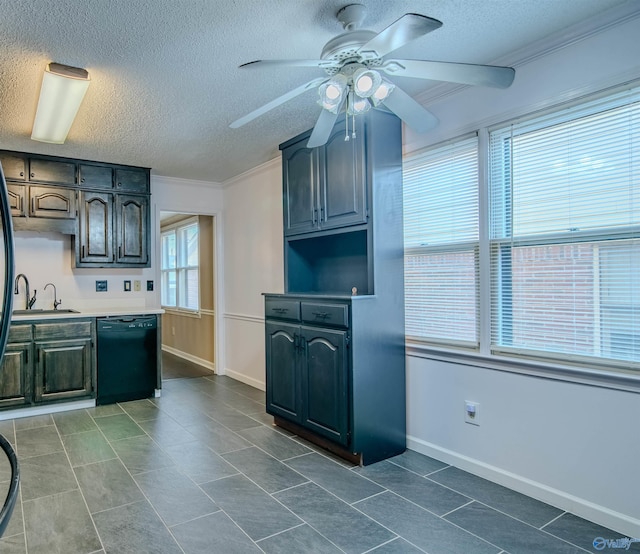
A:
(37, 311)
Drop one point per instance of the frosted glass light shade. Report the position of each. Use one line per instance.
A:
(63, 89)
(382, 92)
(366, 81)
(332, 92)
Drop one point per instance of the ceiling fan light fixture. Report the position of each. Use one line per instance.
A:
(382, 92)
(358, 105)
(332, 92)
(366, 82)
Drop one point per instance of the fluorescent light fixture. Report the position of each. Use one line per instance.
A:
(63, 88)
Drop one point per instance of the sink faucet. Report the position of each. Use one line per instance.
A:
(56, 302)
(29, 302)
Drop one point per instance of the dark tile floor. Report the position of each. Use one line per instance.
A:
(202, 470)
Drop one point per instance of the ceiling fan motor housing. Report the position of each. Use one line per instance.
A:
(344, 49)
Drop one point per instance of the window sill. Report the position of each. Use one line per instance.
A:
(572, 374)
(186, 313)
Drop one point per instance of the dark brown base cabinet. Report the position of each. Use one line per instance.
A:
(46, 362)
(335, 355)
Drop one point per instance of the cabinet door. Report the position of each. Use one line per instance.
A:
(132, 214)
(14, 166)
(52, 171)
(342, 189)
(132, 180)
(63, 369)
(95, 176)
(283, 381)
(15, 375)
(324, 373)
(95, 228)
(16, 195)
(299, 165)
(52, 202)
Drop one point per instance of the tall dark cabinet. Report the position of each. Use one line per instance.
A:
(335, 354)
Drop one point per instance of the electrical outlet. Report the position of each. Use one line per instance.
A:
(136, 285)
(472, 412)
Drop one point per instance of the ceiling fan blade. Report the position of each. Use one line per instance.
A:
(413, 114)
(409, 27)
(323, 128)
(465, 73)
(276, 102)
(292, 63)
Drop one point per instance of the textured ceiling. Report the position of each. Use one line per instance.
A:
(165, 78)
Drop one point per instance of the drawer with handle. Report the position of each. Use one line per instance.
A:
(282, 309)
(336, 315)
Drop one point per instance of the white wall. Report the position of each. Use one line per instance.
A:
(169, 194)
(573, 445)
(253, 264)
(48, 258)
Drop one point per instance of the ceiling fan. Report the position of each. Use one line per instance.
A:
(354, 62)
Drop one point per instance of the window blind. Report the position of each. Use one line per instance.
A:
(441, 243)
(564, 234)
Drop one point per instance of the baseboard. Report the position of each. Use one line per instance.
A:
(189, 357)
(47, 409)
(244, 379)
(601, 515)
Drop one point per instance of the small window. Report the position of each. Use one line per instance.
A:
(180, 266)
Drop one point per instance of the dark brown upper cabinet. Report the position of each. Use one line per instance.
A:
(104, 206)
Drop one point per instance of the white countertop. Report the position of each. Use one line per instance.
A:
(88, 312)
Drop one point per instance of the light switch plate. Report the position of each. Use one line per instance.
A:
(149, 286)
(127, 285)
(101, 286)
(136, 285)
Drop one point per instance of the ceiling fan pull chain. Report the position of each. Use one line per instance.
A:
(353, 126)
(346, 122)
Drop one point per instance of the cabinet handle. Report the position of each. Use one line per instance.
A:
(119, 251)
(315, 216)
(33, 205)
(22, 174)
(83, 251)
(321, 213)
(32, 175)
(119, 185)
(82, 180)
(280, 310)
(321, 315)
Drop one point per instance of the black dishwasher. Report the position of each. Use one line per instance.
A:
(127, 358)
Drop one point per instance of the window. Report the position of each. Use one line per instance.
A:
(549, 270)
(180, 270)
(565, 247)
(441, 244)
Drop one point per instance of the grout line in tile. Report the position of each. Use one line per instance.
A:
(551, 521)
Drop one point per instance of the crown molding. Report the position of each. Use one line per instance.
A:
(543, 47)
